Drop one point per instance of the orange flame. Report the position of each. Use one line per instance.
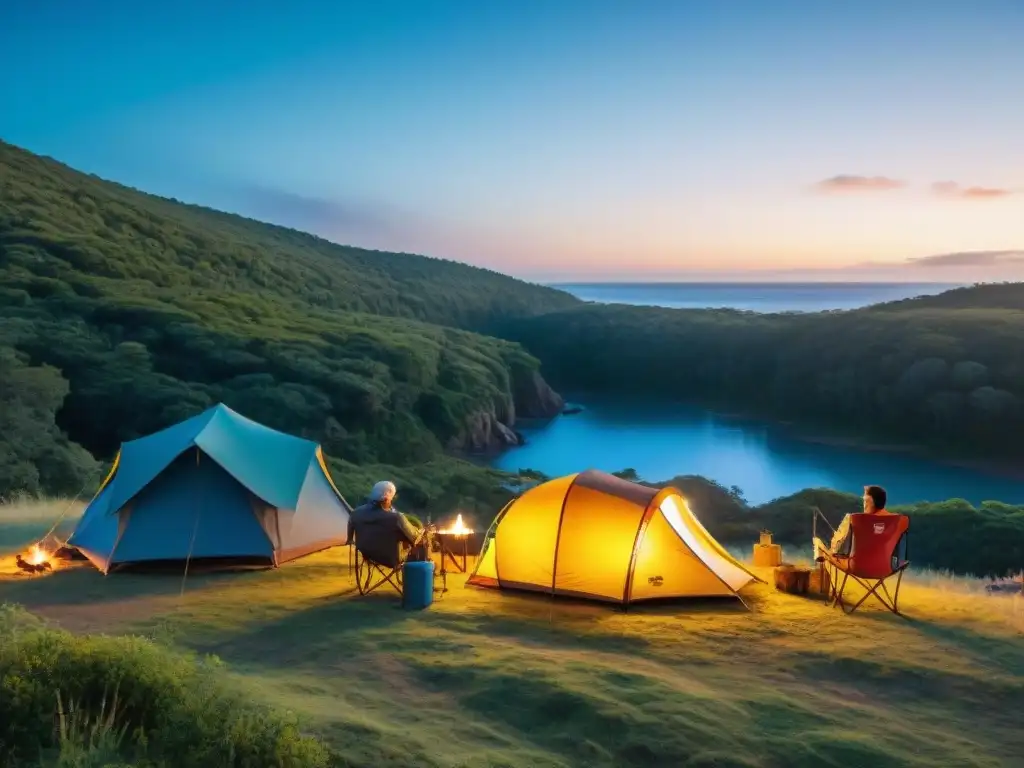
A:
(36, 555)
(458, 528)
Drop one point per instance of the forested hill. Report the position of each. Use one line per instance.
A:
(58, 222)
(944, 372)
(121, 313)
(982, 296)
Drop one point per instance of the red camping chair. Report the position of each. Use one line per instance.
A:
(875, 557)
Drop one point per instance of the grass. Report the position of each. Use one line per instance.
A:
(86, 700)
(499, 679)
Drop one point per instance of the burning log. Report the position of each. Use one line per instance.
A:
(36, 562)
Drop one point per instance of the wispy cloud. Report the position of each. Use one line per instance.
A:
(950, 189)
(969, 259)
(372, 224)
(312, 214)
(852, 183)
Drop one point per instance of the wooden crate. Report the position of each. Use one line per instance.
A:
(792, 579)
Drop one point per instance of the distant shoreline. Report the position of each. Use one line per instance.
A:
(836, 284)
(772, 297)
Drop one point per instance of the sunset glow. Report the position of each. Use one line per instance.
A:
(581, 140)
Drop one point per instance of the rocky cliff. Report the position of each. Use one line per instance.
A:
(534, 398)
(491, 429)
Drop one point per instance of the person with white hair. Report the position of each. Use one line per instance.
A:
(383, 493)
(379, 513)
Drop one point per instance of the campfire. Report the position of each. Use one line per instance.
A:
(450, 539)
(458, 528)
(35, 560)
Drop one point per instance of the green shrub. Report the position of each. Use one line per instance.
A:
(131, 697)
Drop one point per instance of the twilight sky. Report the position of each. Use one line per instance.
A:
(553, 140)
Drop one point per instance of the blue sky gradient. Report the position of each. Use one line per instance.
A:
(557, 140)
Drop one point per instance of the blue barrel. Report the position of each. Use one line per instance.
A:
(417, 584)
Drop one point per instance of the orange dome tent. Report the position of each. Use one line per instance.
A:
(593, 535)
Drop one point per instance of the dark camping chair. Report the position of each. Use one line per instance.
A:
(878, 552)
(381, 549)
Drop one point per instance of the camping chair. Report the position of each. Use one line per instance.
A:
(381, 549)
(878, 552)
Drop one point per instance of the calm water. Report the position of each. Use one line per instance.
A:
(660, 442)
(757, 297)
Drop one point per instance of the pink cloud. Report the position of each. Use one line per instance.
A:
(950, 189)
(970, 259)
(852, 183)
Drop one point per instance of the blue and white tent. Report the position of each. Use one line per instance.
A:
(217, 485)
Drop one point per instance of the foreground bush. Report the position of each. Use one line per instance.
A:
(94, 700)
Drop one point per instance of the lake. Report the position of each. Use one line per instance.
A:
(662, 441)
(756, 297)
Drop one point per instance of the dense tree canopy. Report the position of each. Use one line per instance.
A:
(121, 313)
(916, 372)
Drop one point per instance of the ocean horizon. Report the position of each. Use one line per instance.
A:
(752, 296)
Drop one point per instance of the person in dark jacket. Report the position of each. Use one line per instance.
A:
(380, 525)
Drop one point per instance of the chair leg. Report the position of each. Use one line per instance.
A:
(366, 571)
(893, 603)
(870, 591)
(831, 583)
(896, 593)
(835, 584)
(888, 600)
(360, 564)
(364, 575)
(840, 590)
(386, 577)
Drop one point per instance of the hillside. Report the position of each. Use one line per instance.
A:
(121, 312)
(60, 223)
(950, 379)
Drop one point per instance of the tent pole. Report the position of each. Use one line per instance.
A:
(195, 527)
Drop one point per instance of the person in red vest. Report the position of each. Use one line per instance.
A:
(875, 498)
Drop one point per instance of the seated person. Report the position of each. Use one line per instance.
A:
(874, 504)
(378, 514)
